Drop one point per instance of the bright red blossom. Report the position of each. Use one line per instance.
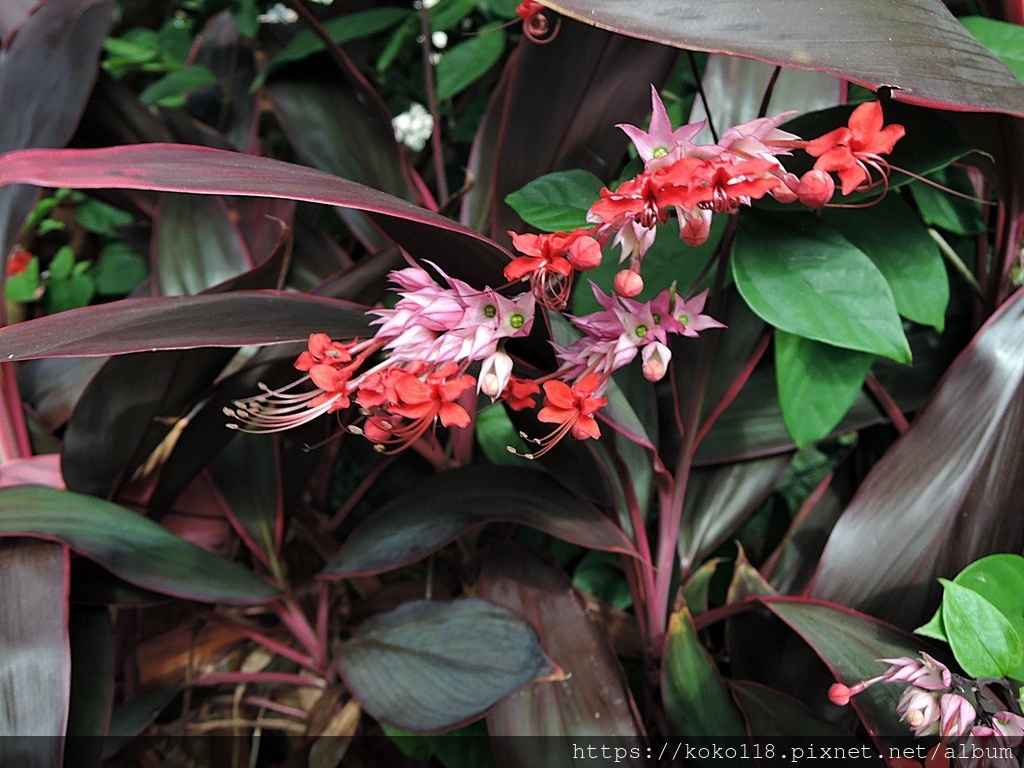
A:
(852, 149)
(573, 408)
(519, 393)
(18, 262)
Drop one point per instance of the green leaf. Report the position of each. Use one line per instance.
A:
(696, 700)
(429, 666)
(817, 384)
(62, 263)
(71, 293)
(945, 211)
(600, 574)
(893, 237)
(800, 275)
(465, 63)
(1005, 40)
(170, 90)
(24, 286)
(696, 587)
(447, 13)
(557, 201)
(102, 218)
(495, 432)
(466, 747)
(118, 270)
(984, 642)
(343, 29)
(128, 545)
(246, 17)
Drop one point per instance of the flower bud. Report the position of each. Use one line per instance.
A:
(816, 189)
(628, 283)
(584, 254)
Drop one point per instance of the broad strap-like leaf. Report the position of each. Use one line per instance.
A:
(201, 170)
(129, 545)
(915, 47)
(947, 493)
(183, 322)
(429, 666)
(423, 520)
(35, 661)
(593, 699)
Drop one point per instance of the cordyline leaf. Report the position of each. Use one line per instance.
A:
(946, 494)
(46, 75)
(593, 699)
(429, 666)
(850, 644)
(35, 662)
(182, 322)
(915, 47)
(129, 545)
(521, 137)
(92, 684)
(201, 170)
(417, 523)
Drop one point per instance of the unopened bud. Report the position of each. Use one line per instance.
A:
(584, 254)
(628, 283)
(839, 694)
(816, 189)
(786, 192)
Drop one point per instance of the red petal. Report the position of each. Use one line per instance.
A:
(585, 427)
(552, 415)
(452, 414)
(558, 394)
(521, 266)
(866, 120)
(822, 144)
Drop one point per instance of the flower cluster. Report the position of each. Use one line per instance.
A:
(443, 337)
(696, 181)
(936, 702)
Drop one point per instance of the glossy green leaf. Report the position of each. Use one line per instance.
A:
(1004, 39)
(817, 384)
(495, 433)
(801, 276)
(893, 237)
(591, 698)
(945, 211)
(557, 201)
(35, 663)
(429, 666)
(171, 89)
(25, 286)
(119, 270)
(465, 63)
(997, 578)
(696, 700)
(695, 588)
(600, 574)
(421, 521)
(983, 640)
(342, 29)
(129, 545)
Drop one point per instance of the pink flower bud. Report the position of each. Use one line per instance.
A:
(816, 189)
(584, 254)
(839, 694)
(628, 283)
(956, 715)
(695, 227)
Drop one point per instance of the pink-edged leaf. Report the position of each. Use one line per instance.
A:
(183, 322)
(593, 699)
(46, 74)
(850, 644)
(946, 494)
(915, 47)
(422, 521)
(129, 545)
(35, 662)
(429, 666)
(522, 136)
(200, 170)
(33, 470)
(13, 13)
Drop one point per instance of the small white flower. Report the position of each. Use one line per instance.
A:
(439, 39)
(278, 14)
(413, 127)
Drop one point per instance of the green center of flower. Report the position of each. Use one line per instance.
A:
(657, 317)
(516, 321)
(659, 152)
(684, 319)
(490, 310)
(641, 331)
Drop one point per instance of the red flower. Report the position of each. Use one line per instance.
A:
(18, 262)
(573, 408)
(852, 149)
(321, 350)
(519, 393)
(549, 260)
(720, 184)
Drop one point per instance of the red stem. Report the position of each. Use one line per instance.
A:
(736, 386)
(14, 440)
(892, 410)
(435, 137)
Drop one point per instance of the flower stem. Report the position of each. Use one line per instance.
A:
(437, 149)
(955, 261)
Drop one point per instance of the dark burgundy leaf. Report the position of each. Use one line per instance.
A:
(183, 322)
(200, 170)
(594, 697)
(35, 664)
(92, 685)
(429, 666)
(603, 79)
(946, 494)
(422, 521)
(915, 47)
(46, 74)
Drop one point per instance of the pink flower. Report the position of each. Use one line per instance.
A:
(956, 715)
(926, 673)
(920, 710)
(660, 145)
